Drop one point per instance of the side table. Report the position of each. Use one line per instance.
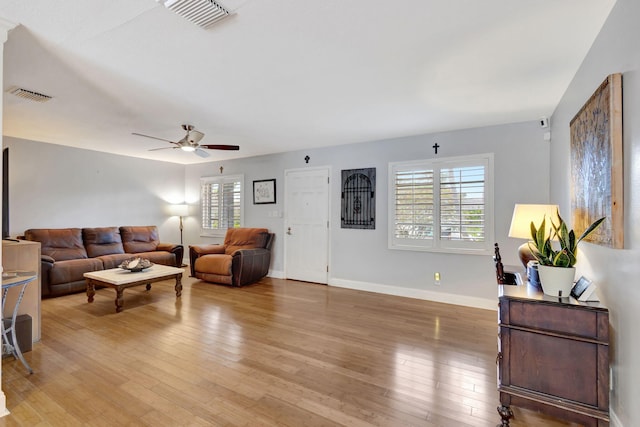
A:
(11, 280)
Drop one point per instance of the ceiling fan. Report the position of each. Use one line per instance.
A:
(190, 142)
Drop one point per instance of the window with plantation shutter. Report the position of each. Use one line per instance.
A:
(221, 201)
(442, 204)
(462, 203)
(414, 205)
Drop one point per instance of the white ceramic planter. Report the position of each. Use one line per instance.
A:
(556, 281)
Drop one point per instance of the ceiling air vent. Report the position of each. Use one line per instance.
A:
(29, 94)
(203, 13)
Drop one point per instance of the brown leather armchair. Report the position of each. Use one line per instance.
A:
(243, 258)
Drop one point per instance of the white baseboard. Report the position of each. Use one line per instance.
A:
(443, 297)
(614, 420)
(276, 274)
(3, 403)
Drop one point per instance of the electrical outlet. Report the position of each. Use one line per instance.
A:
(436, 278)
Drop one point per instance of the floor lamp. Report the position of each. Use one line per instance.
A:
(180, 211)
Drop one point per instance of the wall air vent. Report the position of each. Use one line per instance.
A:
(203, 13)
(29, 94)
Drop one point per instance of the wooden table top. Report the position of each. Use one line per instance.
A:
(120, 276)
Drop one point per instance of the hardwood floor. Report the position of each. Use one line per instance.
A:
(277, 353)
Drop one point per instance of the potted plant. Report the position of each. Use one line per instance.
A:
(556, 267)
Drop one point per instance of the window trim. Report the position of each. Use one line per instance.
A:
(220, 232)
(436, 244)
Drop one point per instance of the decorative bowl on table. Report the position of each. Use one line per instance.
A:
(136, 264)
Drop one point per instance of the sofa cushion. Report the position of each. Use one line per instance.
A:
(102, 241)
(61, 244)
(139, 239)
(245, 238)
(72, 270)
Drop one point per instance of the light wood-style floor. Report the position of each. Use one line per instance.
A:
(277, 353)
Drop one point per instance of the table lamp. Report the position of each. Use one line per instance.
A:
(521, 225)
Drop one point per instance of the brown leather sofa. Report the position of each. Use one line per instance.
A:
(244, 257)
(68, 253)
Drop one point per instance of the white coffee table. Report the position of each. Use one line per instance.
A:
(120, 279)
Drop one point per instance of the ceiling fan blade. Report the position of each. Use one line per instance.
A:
(162, 148)
(201, 153)
(152, 137)
(220, 147)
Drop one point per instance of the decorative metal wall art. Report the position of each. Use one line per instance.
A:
(596, 165)
(358, 198)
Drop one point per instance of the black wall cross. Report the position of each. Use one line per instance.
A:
(435, 147)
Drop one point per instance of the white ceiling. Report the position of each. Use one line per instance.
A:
(283, 75)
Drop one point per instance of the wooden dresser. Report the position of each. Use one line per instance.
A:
(553, 356)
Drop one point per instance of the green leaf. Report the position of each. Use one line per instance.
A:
(591, 228)
(540, 234)
(561, 259)
(573, 245)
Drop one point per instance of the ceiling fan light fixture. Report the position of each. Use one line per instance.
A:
(194, 136)
(188, 148)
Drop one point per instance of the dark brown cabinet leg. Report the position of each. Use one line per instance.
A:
(119, 299)
(506, 414)
(91, 290)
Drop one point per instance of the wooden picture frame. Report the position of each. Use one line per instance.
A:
(264, 191)
(597, 165)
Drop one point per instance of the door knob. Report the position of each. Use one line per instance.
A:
(289, 231)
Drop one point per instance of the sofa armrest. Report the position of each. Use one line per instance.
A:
(177, 250)
(46, 264)
(247, 252)
(207, 249)
(250, 265)
(166, 247)
(196, 251)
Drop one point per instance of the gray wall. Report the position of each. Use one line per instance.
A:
(360, 258)
(616, 272)
(52, 186)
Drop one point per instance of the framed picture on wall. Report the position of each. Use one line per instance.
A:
(596, 164)
(264, 191)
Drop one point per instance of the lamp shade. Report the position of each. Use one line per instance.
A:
(524, 214)
(179, 210)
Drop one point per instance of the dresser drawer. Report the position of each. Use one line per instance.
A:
(579, 322)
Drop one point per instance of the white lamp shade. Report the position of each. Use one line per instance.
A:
(179, 210)
(524, 214)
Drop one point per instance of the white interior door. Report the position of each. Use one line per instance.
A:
(307, 224)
